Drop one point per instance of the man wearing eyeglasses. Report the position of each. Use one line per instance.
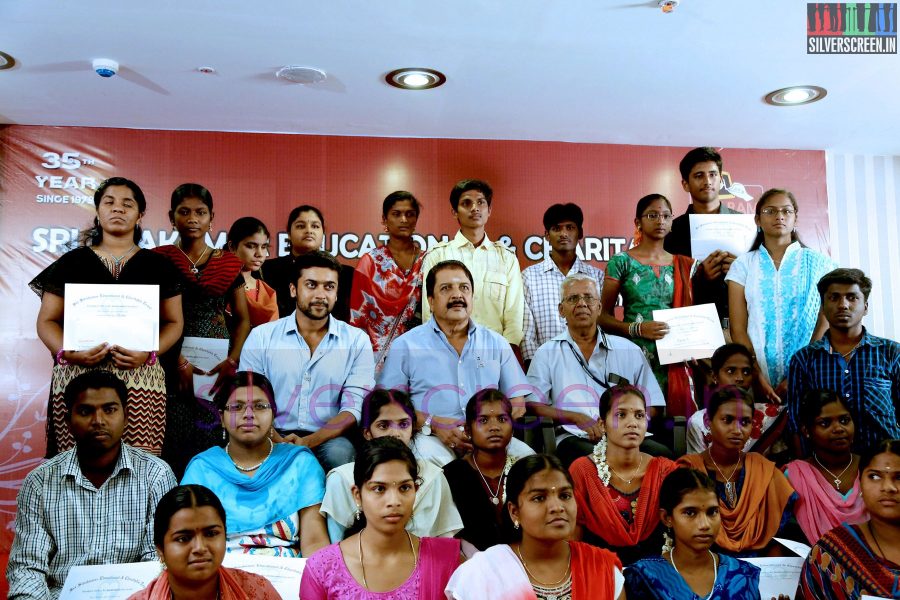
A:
(701, 177)
(569, 373)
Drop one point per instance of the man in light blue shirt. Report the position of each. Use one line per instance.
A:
(570, 372)
(444, 361)
(321, 368)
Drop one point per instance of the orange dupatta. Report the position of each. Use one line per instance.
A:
(592, 572)
(754, 521)
(234, 584)
(597, 512)
(679, 399)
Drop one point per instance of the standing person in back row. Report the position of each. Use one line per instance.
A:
(500, 301)
(701, 177)
(543, 321)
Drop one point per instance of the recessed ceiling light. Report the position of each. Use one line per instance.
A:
(6, 61)
(415, 78)
(297, 74)
(206, 70)
(795, 95)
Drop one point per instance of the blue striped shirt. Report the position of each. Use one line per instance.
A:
(869, 383)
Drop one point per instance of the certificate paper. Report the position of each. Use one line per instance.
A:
(123, 315)
(732, 233)
(694, 332)
(282, 572)
(204, 353)
(108, 582)
(780, 575)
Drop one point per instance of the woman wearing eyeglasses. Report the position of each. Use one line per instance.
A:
(271, 492)
(649, 278)
(772, 298)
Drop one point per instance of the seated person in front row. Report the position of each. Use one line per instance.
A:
(57, 509)
(570, 372)
(852, 561)
(444, 361)
(189, 534)
(827, 482)
(384, 556)
(390, 413)
(617, 486)
(319, 366)
(755, 498)
(545, 563)
(689, 509)
(271, 492)
(732, 364)
(478, 479)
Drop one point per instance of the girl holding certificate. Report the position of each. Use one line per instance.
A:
(211, 278)
(110, 255)
(772, 297)
(649, 278)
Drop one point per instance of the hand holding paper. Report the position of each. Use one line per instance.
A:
(694, 332)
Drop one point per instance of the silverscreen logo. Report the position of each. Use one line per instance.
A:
(851, 28)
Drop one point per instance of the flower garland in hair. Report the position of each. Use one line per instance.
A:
(599, 458)
(510, 461)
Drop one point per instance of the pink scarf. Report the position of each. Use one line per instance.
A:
(820, 507)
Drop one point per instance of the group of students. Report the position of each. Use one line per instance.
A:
(377, 524)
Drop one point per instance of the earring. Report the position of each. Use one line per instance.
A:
(516, 524)
(162, 562)
(224, 435)
(358, 512)
(668, 543)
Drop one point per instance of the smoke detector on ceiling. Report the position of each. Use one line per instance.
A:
(668, 6)
(297, 74)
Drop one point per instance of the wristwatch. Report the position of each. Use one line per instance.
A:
(426, 428)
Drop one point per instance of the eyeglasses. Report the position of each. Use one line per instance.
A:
(240, 408)
(654, 216)
(771, 211)
(574, 299)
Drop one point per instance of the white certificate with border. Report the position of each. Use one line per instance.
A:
(122, 315)
(108, 582)
(283, 572)
(780, 575)
(204, 353)
(694, 332)
(732, 233)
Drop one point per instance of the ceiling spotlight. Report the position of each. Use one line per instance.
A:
(415, 78)
(6, 61)
(206, 70)
(668, 6)
(296, 74)
(795, 95)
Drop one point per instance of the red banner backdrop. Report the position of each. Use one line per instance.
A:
(48, 175)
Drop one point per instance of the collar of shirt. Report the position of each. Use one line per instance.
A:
(577, 266)
(73, 468)
(291, 326)
(459, 240)
(723, 210)
(565, 336)
(473, 327)
(867, 340)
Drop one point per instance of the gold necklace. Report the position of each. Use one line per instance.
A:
(362, 564)
(633, 475)
(837, 478)
(538, 581)
(194, 268)
(730, 488)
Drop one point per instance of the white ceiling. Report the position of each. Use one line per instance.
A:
(616, 71)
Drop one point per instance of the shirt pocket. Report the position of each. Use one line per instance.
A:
(126, 540)
(496, 284)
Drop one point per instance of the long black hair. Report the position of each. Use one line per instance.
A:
(182, 496)
(519, 474)
(93, 236)
(767, 195)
